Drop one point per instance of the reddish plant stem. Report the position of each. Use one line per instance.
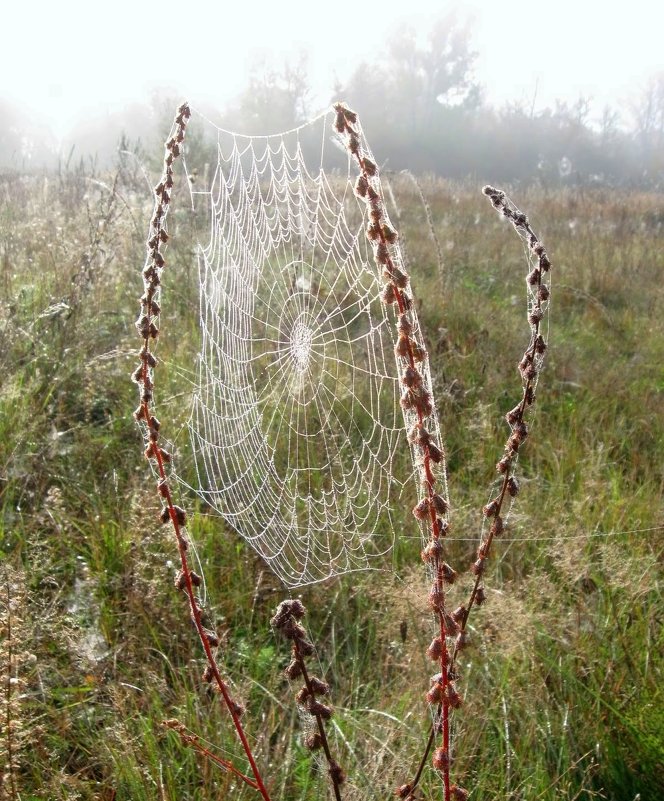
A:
(150, 311)
(435, 530)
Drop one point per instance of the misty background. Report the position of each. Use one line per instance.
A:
(572, 94)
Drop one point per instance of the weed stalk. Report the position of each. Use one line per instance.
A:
(186, 580)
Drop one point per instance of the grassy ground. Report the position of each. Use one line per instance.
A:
(563, 681)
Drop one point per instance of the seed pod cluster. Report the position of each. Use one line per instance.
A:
(286, 621)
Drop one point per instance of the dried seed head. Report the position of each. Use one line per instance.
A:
(319, 710)
(477, 568)
(435, 454)
(418, 435)
(439, 503)
(452, 696)
(211, 637)
(196, 580)
(286, 611)
(435, 649)
(490, 509)
(319, 686)
(419, 354)
(540, 344)
(434, 694)
(381, 253)
(480, 596)
(361, 186)
(389, 233)
(461, 640)
(388, 295)
(544, 262)
(543, 293)
(208, 674)
(451, 626)
(399, 278)
(305, 647)
(294, 670)
(302, 695)
(459, 614)
(432, 551)
(180, 581)
(504, 464)
(442, 527)
(404, 791)
(423, 402)
(514, 415)
(441, 759)
(373, 231)
(513, 486)
(313, 741)
(403, 345)
(368, 166)
(534, 277)
(535, 315)
(404, 326)
(411, 377)
(448, 573)
(436, 599)
(336, 773)
(497, 526)
(458, 793)
(421, 509)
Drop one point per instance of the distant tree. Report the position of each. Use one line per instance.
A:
(412, 97)
(276, 99)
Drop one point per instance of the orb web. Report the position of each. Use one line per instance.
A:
(296, 428)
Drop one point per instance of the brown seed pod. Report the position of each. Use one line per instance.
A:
(435, 453)
(211, 637)
(432, 551)
(294, 669)
(439, 504)
(448, 573)
(368, 166)
(441, 759)
(318, 709)
(313, 741)
(435, 649)
(421, 509)
(411, 377)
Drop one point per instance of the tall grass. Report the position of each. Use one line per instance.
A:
(563, 679)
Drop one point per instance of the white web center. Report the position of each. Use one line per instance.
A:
(300, 346)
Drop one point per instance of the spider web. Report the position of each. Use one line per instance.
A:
(298, 437)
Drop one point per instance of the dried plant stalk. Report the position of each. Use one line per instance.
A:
(433, 508)
(529, 368)
(287, 621)
(147, 324)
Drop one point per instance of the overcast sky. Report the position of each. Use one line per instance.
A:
(69, 58)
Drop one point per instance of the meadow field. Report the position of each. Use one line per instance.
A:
(563, 682)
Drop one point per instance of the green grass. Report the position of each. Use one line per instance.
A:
(563, 681)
